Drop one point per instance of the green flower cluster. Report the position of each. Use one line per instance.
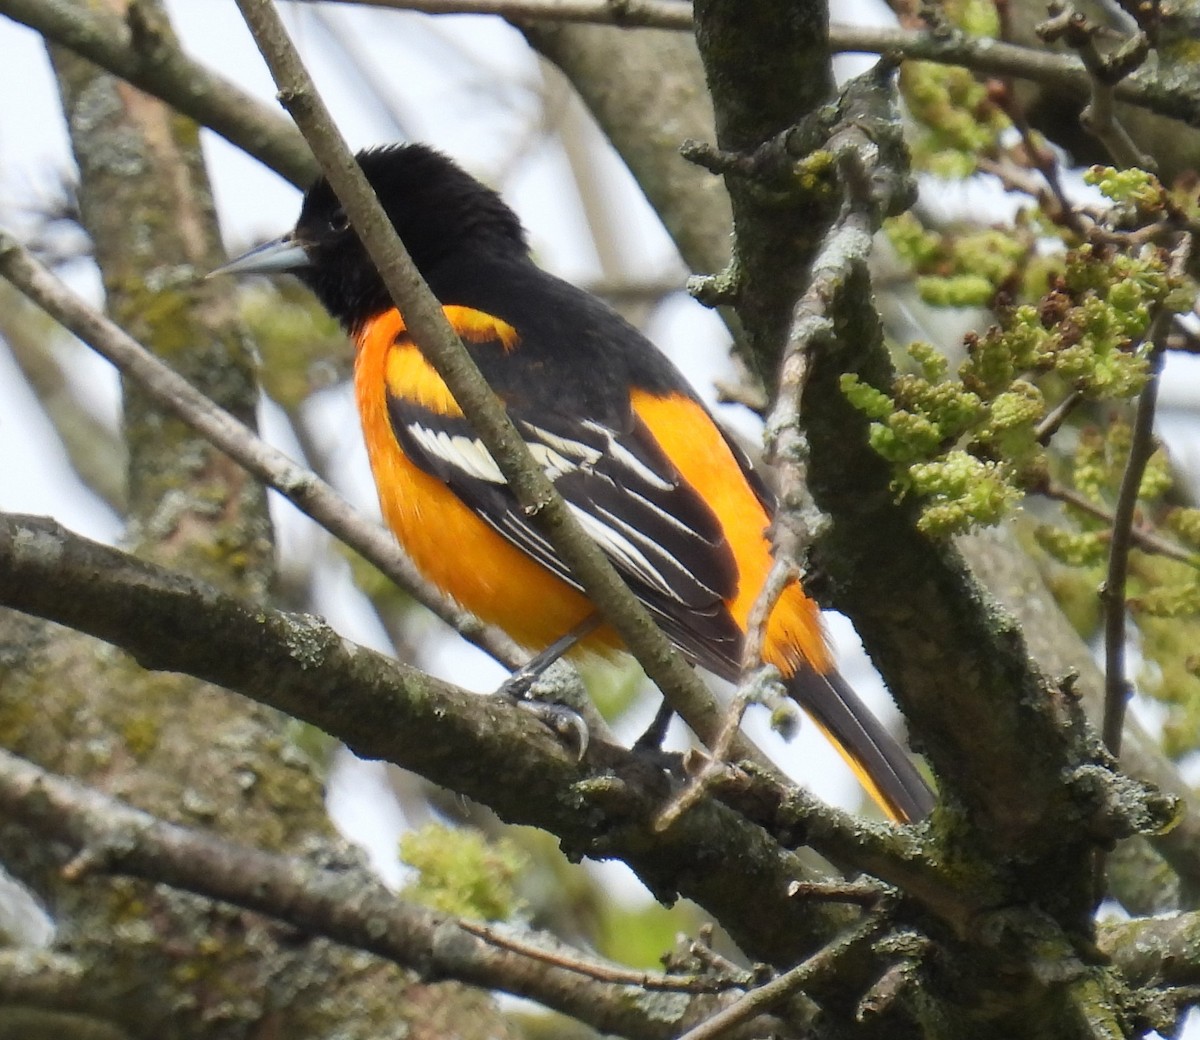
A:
(970, 444)
(972, 268)
(957, 120)
(1139, 191)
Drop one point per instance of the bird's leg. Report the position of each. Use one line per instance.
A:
(656, 732)
(518, 685)
(567, 723)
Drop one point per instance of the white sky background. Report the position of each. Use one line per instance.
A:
(446, 99)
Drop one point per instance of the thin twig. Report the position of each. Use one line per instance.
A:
(1117, 688)
(701, 949)
(770, 994)
(96, 452)
(243, 120)
(865, 893)
(658, 14)
(92, 32)
(757, 684)
(300, 486)
(979, 54)
(1054, 202)
(429, 327)
(571, 960)
(1145, 540)
(1057, 415)
(1098, 117)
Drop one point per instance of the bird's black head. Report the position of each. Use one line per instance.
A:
(438, 209)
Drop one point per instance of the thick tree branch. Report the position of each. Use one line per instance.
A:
(1159, 951)
(1035, 792)
(1017, 582)
(593, 58)
(139, 161)
(42, 978)
(1008, 741)
(484, 747)
(349, 906)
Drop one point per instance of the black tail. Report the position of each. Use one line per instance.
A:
(880, 763)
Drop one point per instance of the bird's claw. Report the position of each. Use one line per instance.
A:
(565, 723)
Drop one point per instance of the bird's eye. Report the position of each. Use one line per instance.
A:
(339, 221)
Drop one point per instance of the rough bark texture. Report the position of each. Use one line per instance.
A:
(1029, 796)
(604, 807)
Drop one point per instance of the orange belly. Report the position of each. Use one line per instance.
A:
(449, 545)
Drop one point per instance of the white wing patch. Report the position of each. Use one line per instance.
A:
(653, 527)
(469, 454)
(465, 453)
(553, 464)
(630, 548)
(586, 453)
(655, 575)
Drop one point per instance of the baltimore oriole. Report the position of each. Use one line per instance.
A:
(651, 476)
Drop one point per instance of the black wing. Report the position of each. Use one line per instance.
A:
(657, 531)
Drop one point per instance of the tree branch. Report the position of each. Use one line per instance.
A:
(657, 14)
(349, 906)
(1018, 583)
(41, 978)
(96, 453)
(168, 73)
(1154, 951)
(782, 987)
(1117, 689)
(947, 46)
(1098, 117)
(483, 747)
(1144, 538)
(1019, 770)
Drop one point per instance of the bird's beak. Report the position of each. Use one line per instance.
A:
(282, 256)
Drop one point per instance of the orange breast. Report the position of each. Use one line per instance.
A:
(446, 541)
